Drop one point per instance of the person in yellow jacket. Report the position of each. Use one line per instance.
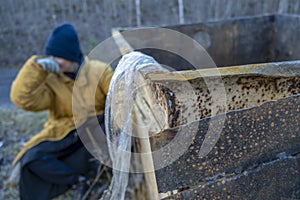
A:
(55, 159)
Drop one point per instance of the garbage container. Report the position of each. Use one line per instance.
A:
(257, 152)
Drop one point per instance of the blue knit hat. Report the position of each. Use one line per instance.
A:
(63, 42)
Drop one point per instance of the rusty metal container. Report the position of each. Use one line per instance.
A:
(257, 155)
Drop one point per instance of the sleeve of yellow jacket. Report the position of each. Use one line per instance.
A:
(29, 90)
(105, 79)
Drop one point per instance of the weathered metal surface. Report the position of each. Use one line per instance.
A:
(244, 87)
(277, 180)
(249, 138)
(262, 121)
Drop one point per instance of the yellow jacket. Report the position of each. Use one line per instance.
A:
(35, 90)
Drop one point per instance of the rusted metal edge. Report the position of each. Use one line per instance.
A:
(276, 69)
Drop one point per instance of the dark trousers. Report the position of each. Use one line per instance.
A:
(52, 167)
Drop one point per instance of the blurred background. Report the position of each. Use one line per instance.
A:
(26, 24)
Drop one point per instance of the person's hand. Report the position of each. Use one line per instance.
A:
(48, 65)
